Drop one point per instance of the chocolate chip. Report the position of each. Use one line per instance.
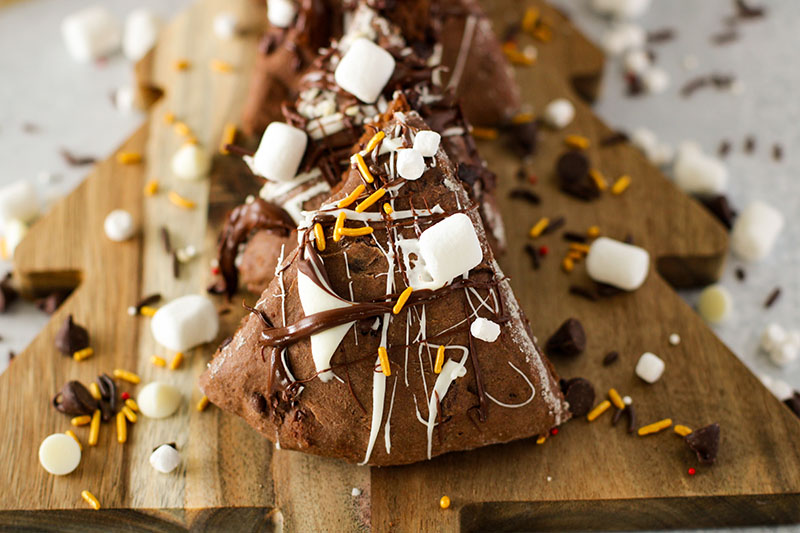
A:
(7, 293)
(76, 160)
(572, 166)
(724, 148)
(610, 358)
(632, 425)
(741, 274)
(777, 152)
(108, 390)
(524, 194)
(50, 303)
(793, 403)
(618, 137)
(660, 36)
(749, 144)
(583, 292)
(569, 339)
(71, 337)
(571, 236)
(525, 137)
(579, 393)
(705, 443)
(554, 225)
(721, 208)
(74, 399)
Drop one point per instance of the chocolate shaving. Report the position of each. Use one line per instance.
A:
(726, 37)
(618, 137)
(77, 160)
(741, 275)
(777, 152)
(772, 298)
(569, 339)
(554, 225)
(571, 236)
(176, 265)
(71, 337)
(147, 300)
(610, 358)
(705, 443)
(793, 403)
(660, 36)
(533, 253)
(74, 399)
(8, 294)
(724, 148)
(524, 194)
(745, 11)
(749, 144)
(579, 393)
(617, 416)
(165, 240)
(607, 291)
(31, 128)
(693, 85)
(632, 425)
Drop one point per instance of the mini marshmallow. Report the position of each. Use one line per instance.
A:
(655, 80)
(225, 25)
(636, 61)
(91, 33)
(124, 99)
(626, 9)
(280, 152)
(141, 32)
(59, 454)
(13, 232)
(779, 388)
(191, 162)
(674, 339)
(715, 304)
(698, 173)
(650, 367)
(410, 164)
(19, 200)
(185, 322)
(450, 248)
(784, 354)
(427, 142)
(119, 225)
(165, 459)
(623, 37)
(616, 263)
(364, 70)
(484, 329)
(559, 113)
(281, 13)
(755, 231)
(158, 400)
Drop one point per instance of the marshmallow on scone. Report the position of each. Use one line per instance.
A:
(410, 164)
(185, 322)
(426, 142)
(450, 248)
(698, 173)
(484, 329)
(364, 70)
(91, 33)
(616, 263)
(18, 200)
(280, 152)
(755, 231)
(141, 32)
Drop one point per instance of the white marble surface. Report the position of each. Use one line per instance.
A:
(70, 103)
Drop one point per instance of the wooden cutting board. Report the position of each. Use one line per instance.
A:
(589, 476)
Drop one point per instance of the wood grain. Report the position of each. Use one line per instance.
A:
(232, 479)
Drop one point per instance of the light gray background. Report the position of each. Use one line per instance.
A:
(70, 102)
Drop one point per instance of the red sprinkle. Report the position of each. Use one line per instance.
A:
(125, 396)
(215, 271)
(543, 250)
(554, 431)
(533, 179)
(692, 471)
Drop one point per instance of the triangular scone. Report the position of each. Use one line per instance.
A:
(307, 367)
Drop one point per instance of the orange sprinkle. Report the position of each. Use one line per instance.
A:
(122, 428)
(543, 33)
(621, 184)
(577, 141)
(539, 227)
(80, 355)
(575, 256)
(655, 427)
(530, 19)
(146, 310)
(352, 197)
(80, 420)
(371, 199)
(151, 188)
(125, 375)
(593, 231)
(129, 414)
(486, 134)
(169, 117)
(383, 355)
(522, 118)
(228, 136)
(541, 439)
(437, 367)
(568, 264)
(94, 429)
(182, 129)
(94, 390)
(444, 502)
(74, 436)
(356, 232)
(682, 430)
(601, 408)
(158, 361)
(129, 158)
(131, 404)
(337, 228)
(202, 404)
(378, 137)
(598, 179)
(515, 56)
(90, 498)
(401, 301)
(319, 237)
(180, 201)
(362, 168)
(181, 64)
(387, 208)
(616, 399)
(579, 247)
(175, 364)
(221, 66)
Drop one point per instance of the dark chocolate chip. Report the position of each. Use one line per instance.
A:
(705, 443)
(632, 425)
(74, 399)
(721, 208)
(569, 339)
(50, 303)
(524, 194)
(610, 358)
(572, 167)
(7, 293)
(533, 253)
(71, 337)
(793, 403)
(525, 137)
(579, 393)
(583, 292)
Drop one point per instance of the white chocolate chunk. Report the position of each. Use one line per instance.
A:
(13, 232)
(185, 322)
(427, 142)
(559, 113)
(410, 164)
(616, 263)
(165, 459)
(650, 367)
(280, 152)
(698, 173)
(364, 70)
(91, 33)
(191, 162)
(715, 304)
(59, 454)
(119, 225)
(225, 25)
(625, 9)
(158, 400)
(484, 329)
(450, 248)
(19, 200)
(141, 32)
(755, 231)
(281, 13)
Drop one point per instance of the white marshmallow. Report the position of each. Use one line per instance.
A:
(755, 231)
(364, 70)
(772, 337)
(119, 225)
(621, 8)
(656, 80)
(427, 142)
(165, 459)
(715, 304)
(484, 329)
(674, 339)
(636, 61)
(450, 248)
(280, 152)
(185, 322)
(91, 33)
(784, 354)
(59, 454)
(19, 200)
(616, 263)
(141, 32)
(281, 13)
(779, 388)
(623, 37)
(124, 99)
(650, 367)
(191, 162)
(698, 173)
(225, 25)
(559, 113)
(656, 152)
(410, 164)
(158, 400)
(662, 155)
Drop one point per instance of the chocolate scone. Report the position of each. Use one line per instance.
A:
(390, 335)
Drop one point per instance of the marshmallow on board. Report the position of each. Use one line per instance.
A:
(59, 454)
(485, 329)
(650, 367)
(185, 322)
(165, 458)
(450, 248)
(280, 152)
(410, 164)
(281, 13)
(18, 200)
(119, 225)
(141, 32)
(158, 400)
(191, 162)
(364, 70)
(559, 113)
(699, 173)
(426, 142)
(616, 263)
(624, 9)
(91, 33)
(755, 231)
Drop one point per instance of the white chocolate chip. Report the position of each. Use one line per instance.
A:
(674, 339)
(427, 142)
(225, 25)
(698, 173)
(650, 367)
(755, 231)
(185, 322)
(281, 13)
(450, 248)
(91, 33)
(484, 329)
(119, 225)
(410, 164)
(715, 304)
(364, 70)
(280, 152)
(165, 459)
(616, 263)
(158, 400)
(141, 32)
(191, 162)
(59, 454)
(559, 113)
